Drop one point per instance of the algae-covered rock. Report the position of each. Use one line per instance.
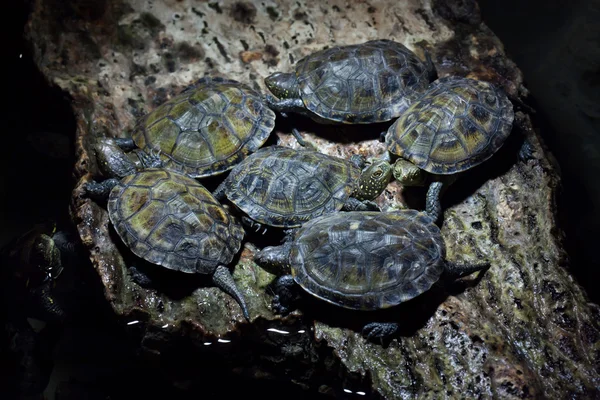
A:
(524, 329)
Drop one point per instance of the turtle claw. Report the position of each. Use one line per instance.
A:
(381, 331)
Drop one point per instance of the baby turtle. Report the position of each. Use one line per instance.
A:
(357, 84)
(204, 131)
(31, 264)
(171, 220)
(363, 261)
(457, 124)
(284, 187)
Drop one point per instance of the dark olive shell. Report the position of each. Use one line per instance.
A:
(457, 124)
(368, 260)
(171, 220)
(370, 82)
(206, 129)
(32, 258)
(285, 187)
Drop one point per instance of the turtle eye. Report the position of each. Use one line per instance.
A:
(377, 173)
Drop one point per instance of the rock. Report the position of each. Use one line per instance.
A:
(524, 329)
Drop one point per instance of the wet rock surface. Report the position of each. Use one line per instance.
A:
(524, 329)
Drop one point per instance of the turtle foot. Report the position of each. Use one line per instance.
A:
(379, 331)
(526, 151)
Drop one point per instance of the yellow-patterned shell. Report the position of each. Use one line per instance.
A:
(206, 129)
(457, 124)
(171, 220)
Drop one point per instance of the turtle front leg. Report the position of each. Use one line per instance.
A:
(380, 331)
(526, 151)
(219, 192)
(353, 204)
(298, 137)
(126, 144)
(285, 105)
(100, 190)
(150, 160)
(45, 305)
(139, 277)
(286, 295)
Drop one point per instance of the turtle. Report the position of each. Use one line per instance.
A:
(362, 260)
(457, 124)
(31, 265)
(374, 81)
(204, 131)
(169, 219)
(285, 187)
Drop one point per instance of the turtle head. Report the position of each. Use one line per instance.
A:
(374, 179)
(275, 259)
(408, 174)
(112, 161)
(283, 85)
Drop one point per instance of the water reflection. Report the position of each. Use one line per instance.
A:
(278, 331)
(360, 393)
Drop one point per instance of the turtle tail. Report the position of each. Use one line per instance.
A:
(222, 279)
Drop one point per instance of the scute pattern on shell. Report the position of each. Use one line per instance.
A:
(368, 260)
(457, 124)
(364, 83)
(208, 128)
(171, 220)
(285, 187)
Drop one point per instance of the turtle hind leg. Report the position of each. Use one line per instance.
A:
(380, 331)
(223, 280)
(455, 271)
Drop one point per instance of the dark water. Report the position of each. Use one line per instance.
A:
(557, 47)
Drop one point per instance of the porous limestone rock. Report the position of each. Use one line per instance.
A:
(524, 329)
